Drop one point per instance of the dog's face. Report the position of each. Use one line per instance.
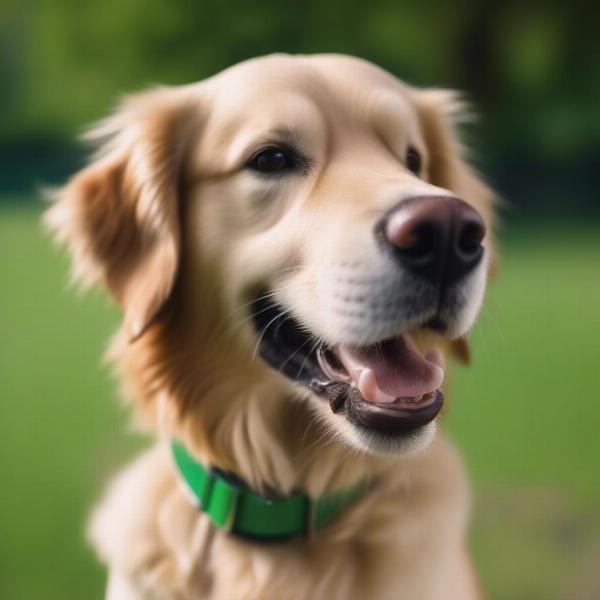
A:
(326, 210)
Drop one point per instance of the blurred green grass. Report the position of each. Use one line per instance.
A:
(526, 417)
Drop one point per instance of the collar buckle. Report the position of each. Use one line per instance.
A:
(238, 510)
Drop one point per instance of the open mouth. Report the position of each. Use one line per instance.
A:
(388, 386)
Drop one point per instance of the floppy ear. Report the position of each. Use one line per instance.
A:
(461, 350)
(120, 215)
(440, 112)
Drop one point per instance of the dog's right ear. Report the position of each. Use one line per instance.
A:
(440, 112)
(120, 215)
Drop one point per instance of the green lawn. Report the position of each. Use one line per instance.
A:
(526, 415)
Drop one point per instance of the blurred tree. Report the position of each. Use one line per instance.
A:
(533, 73)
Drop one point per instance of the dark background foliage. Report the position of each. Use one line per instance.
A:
(532, 72)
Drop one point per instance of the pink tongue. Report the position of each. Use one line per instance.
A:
(391, 370)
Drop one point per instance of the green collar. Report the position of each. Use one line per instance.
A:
(237, 509)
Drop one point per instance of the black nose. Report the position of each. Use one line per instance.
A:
(437, 238)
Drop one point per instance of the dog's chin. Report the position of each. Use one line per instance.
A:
(382, 399)
(376, 442)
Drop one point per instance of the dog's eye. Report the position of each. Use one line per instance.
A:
(413, 160)
(272, 160)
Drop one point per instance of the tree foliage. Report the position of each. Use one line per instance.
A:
(532, 72)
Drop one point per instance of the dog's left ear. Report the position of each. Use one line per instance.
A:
(120, 215)
(440, 113)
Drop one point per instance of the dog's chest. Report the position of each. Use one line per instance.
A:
(392, 553)
(390, 545)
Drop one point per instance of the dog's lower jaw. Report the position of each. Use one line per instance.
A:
(159, 544)
(365, 441)
(408, 444)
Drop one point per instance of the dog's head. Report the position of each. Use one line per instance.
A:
(308, 222)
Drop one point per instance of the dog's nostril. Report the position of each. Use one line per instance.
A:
(470, 238)
(420, 242)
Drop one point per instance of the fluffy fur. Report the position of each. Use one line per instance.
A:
(182, 236)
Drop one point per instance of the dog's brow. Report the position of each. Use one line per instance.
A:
(277, 135)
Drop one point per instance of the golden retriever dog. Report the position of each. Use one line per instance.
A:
(297, 245)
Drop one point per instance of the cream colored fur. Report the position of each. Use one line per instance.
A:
(168, 219)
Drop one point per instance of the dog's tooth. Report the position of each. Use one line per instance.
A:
(409, 400)
(369, 388)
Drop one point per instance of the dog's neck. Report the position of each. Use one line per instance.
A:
(245, 421)
(274, 441)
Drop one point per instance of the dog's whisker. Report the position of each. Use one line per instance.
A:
(266, 296)
(287, 269)
(287, 360)
(240, 321)
(264, 331)
(317, 343)
(233, 314)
